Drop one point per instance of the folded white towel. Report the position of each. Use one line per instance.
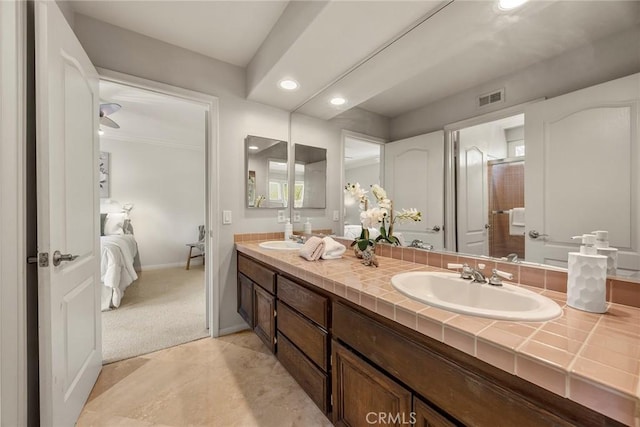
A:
(516, 222)
(332, 249)
(312, 249)
(517, 217)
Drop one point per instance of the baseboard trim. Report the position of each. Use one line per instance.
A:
(233, 329)
(169, 265)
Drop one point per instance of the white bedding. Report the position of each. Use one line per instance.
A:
(117, 272)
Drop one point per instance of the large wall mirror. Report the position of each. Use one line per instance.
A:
(266, 173)
(506, 124)
(310, 177)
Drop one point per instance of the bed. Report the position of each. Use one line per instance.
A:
(118, 249)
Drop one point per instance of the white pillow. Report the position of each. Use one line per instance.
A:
(114, 224)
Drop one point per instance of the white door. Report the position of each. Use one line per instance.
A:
(581, 173)
(472, 218)
(414, 178)
(67, 154)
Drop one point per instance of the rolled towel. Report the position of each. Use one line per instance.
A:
(332, 249)
(312, 249)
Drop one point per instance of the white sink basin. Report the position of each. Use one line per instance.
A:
(450, 292)
(281, 245)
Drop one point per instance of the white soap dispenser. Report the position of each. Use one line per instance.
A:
(288, 230)
(587, 277)
(603, 248)
(307, 226)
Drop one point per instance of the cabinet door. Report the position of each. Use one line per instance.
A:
(363, 396)
(426, 416)
(245, 298)
(263, 316)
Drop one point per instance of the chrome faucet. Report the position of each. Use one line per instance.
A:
(297, 238)
(512, 257)
(478, 276)
(467, 272)
(417, 243)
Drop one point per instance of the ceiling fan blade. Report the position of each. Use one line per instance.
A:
(108, 122)
(109, 108)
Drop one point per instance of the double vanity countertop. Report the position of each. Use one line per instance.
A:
(593, 359)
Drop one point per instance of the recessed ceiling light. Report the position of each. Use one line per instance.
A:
(510, 4)
(253, 147)
(338, 101)
(288, 84)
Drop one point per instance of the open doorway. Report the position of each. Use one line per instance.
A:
(490, 188)
(153, 210)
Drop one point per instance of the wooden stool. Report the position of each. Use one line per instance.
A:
(199, 246)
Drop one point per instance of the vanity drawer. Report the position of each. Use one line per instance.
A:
(305, 301)
(256, 272)
(305, 335)
(312, 380)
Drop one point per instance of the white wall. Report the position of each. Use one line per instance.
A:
(608, 59)
(166, 183)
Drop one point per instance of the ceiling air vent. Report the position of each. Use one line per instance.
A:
(491, 98)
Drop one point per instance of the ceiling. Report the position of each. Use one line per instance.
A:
(153, 118)
(231, 31)
(385, 56)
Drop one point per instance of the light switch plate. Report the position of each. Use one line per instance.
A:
(281, 218)
(296, 216)
(336, 215)
(226, 217)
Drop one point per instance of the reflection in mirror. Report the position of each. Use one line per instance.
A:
(362, 164)
(490, 188)
(310, 183)
(266, 171)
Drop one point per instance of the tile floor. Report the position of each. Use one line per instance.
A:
(229, 381)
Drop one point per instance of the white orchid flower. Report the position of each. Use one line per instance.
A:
(378, 192)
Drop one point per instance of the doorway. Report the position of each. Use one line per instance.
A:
(490, 158)
(154, 169)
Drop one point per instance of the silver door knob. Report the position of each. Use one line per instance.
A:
(534, 234)
(59, 257)
(435, 229)
(487, 226)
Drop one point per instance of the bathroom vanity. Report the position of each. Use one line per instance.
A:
(364, 367)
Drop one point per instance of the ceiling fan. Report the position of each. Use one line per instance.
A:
(106, 110)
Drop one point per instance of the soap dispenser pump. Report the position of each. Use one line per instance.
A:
(587, 277)
(603, 248)
(307, 226)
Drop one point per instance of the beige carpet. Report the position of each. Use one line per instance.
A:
(161, 309)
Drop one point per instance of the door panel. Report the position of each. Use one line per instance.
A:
(67, 175)
(264, 305)
(472, 195)
(414, 178)
(581, 171)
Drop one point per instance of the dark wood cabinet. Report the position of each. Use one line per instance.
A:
(364, 396)
(264, 305)
(382, 373)
(245, 299)
(312, 380)
(426, 416)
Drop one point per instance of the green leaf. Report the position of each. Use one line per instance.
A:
(383, 232)
(362, 244)
(394, 240)
(365, 233)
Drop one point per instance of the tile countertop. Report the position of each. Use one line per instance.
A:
(593, 359)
